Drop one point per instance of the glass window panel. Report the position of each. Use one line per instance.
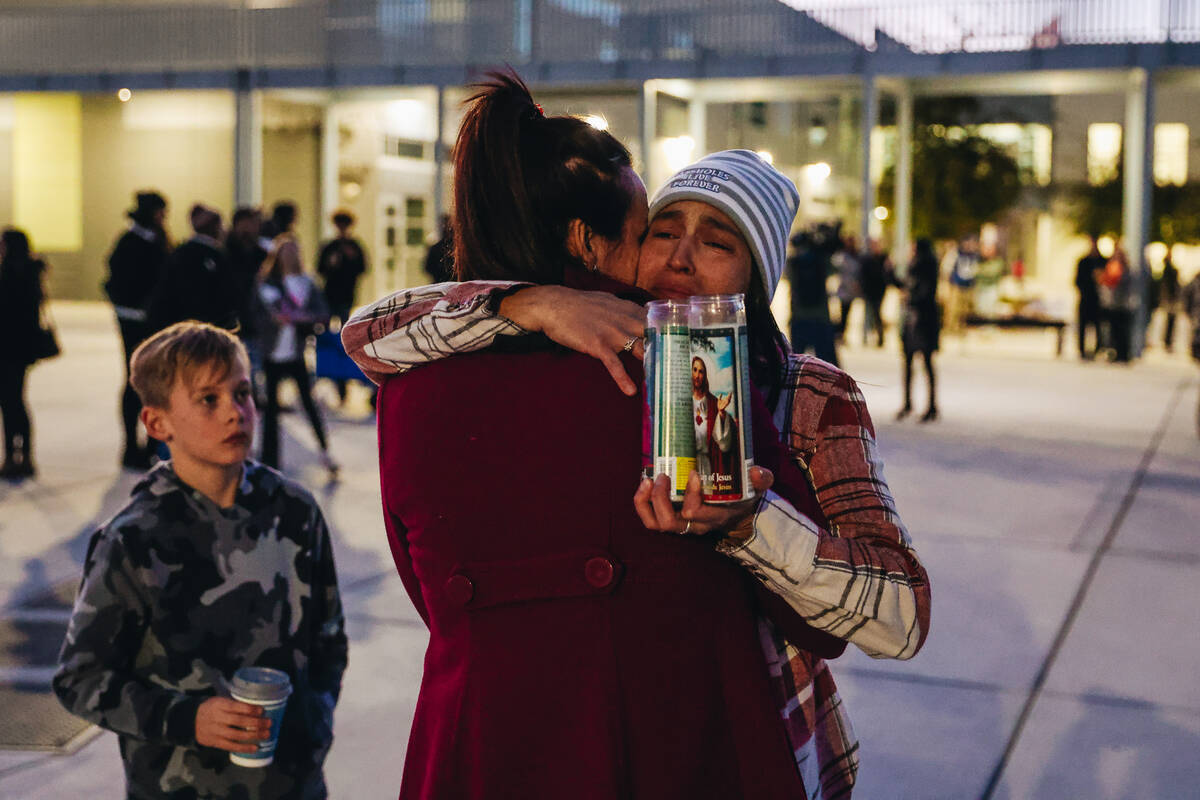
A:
(1103, 151)
(1170, 153)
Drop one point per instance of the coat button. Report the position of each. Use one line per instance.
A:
(598, 571)
(459, 590)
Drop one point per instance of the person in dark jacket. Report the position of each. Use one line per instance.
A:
(199, 283)
(283, 217)
(341, 263)
(136, 267)
(922, 324)
(1089, 300)
(808, 268)
(1168, 300)
(876, 277)
(246, 252)
(21, 298)
(1191, 307)
(439, 260)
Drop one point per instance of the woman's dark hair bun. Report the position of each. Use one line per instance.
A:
(520, 177)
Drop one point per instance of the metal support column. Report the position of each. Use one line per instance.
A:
(523, 30)
(439, 157)
(904, 176)
(330, 174)
(1138, 192)
(647, 130)
(870, 112)
(247, 144)
(698, 126)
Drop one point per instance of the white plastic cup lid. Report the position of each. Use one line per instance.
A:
(261, 684)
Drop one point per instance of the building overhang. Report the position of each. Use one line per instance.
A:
(1074, 69)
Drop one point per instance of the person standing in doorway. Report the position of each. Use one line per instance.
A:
(341, 263)
(136, 266)
(922, 324)
(1089, 300)
(21, 298)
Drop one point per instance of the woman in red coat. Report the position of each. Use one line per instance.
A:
(573, 653)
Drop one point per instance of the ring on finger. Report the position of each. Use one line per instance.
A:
(628, 348)
(687, 528)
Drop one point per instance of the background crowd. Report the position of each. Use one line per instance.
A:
(956, 285)
(250, 277)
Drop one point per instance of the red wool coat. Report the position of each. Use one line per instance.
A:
(573, 653)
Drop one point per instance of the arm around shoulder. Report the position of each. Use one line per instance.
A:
(417, 326)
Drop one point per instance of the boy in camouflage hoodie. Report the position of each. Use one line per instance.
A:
(216, 563)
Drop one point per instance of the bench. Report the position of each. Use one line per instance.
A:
(1021, 322)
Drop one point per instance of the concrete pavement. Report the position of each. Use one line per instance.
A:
(1056, 505)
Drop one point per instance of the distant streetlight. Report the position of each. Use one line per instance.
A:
(766, 156)
(124, 95)
(881, 213)
(596, 121)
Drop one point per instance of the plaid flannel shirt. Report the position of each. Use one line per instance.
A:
(860, 580)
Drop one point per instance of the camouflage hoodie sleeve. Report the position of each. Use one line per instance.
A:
(96, 678)
(328, 658)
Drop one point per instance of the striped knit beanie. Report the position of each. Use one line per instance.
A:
(760, 200)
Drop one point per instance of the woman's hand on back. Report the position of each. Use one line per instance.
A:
(595, 323)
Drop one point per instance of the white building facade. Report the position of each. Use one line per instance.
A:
(354, 103)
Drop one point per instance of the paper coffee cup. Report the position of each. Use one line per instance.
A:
(269, 688)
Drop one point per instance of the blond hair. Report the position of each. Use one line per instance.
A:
(178, 352)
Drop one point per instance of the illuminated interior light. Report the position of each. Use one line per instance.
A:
(818, 172)
(677, 150)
